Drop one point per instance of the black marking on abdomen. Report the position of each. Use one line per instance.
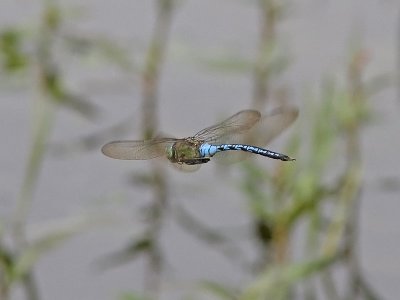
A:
(255, 150)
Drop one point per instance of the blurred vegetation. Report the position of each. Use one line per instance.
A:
(321, 192)
(31, 53)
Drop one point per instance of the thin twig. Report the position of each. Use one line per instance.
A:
(153, 64)
(43, 124)
(150, 86)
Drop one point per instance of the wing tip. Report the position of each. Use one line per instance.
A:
(106, 150)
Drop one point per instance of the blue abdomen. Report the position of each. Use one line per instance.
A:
(207, 150)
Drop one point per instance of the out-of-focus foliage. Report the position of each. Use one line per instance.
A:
(32, 53)
(12, 55)
(319, 191)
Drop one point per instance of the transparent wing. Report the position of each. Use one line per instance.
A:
(266, 129)
(271, 125)
(238, 123)
(136, 150)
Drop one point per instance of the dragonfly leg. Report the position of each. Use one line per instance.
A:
(196, 161)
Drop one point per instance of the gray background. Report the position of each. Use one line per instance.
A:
(317, 35)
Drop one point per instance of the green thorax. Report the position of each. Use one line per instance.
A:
(184, 151)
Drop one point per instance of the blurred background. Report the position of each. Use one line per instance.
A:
(75, 224)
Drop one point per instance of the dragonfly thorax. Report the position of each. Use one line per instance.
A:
(186, 151)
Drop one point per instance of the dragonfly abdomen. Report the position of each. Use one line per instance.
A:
(253, 149)
(208, 150)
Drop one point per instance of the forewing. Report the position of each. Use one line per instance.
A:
(238, 123)
(137, 150)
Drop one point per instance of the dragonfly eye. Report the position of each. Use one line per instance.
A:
(170, 150)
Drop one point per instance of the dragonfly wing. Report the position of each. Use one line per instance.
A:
(268, 128)
(137, 150)
(265, 130)
(239, 122)
(272, 125)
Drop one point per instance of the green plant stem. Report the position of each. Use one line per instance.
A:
(353, 155)
(268, 9)
(261, 82)
(156, 214)
(43, 119)
(150, 85)
(357, 284)
(153, 64)
(346, 197)
(311, 246)
(42, 125)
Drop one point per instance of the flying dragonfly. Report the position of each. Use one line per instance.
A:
(230, 140)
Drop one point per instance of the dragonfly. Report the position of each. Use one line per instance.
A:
(242, 134)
